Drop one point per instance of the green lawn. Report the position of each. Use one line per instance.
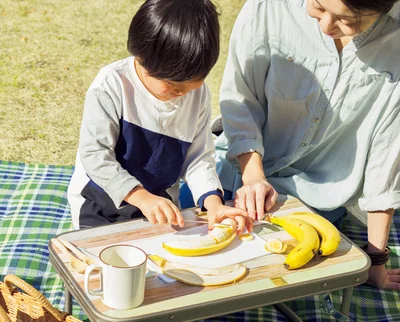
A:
(50, 51)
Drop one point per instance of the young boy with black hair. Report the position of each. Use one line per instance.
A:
(146, 123)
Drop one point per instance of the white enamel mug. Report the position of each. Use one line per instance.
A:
(122, 276)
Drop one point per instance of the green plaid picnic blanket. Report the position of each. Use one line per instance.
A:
(34, 208)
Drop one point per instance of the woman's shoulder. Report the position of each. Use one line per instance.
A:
(255, 11)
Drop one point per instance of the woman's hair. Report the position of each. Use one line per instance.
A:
(176, 40)
(380, 6)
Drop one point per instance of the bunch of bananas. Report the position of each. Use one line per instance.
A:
(314, 234)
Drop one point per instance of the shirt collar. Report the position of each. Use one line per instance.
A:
(395, 11)
(358, 39)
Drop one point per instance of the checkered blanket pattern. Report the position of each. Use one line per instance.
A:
(34, 208)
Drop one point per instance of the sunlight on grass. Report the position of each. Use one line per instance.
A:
(50, 51)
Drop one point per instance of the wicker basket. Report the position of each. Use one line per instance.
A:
(27, 306)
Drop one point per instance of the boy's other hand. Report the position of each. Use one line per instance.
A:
(155, 208)
(219, 213)
(161, 210)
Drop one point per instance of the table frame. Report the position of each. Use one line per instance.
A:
(275, 296)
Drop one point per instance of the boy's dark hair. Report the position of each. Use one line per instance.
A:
(380, 6)
(176, 40)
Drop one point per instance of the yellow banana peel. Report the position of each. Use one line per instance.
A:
(198, 276)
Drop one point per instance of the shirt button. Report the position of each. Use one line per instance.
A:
(327, 91)
(377, 77)
(316, 119)
(290, 59)
(303, 145)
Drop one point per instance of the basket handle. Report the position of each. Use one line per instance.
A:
(4, 316)
(11, 279)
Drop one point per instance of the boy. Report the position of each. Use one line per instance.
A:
(146, 123)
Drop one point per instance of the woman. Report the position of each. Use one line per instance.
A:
(310, 103)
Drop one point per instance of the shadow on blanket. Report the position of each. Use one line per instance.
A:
(34, 208)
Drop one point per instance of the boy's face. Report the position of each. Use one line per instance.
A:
(165, 90)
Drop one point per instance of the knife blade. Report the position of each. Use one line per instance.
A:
(206, 222)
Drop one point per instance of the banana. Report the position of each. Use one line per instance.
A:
(200, 276)
(307, 237)
(220, 237)
(275, 245)
(246, 236)
(328, 233)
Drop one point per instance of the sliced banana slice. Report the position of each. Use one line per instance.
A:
(246, 236)
(200, 276)
(201, 214)
(275, 245)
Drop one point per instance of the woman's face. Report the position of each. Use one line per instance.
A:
(165, 90)
(337, 21)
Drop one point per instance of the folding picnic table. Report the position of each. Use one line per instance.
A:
(267, 281)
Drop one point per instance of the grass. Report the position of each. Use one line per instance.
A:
(50, 51)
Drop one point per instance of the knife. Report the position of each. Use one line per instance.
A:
(255, 223)
(206, 222)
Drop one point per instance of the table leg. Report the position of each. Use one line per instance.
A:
(68, 301)
(288, 312)
(346, 301)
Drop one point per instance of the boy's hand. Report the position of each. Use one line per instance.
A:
(217, 212)
(222, 212)
(155, 208)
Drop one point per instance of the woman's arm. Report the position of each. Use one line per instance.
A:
(256, 196)
(378, 232)
(378, 229)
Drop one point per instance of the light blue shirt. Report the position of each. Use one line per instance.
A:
(326, 123)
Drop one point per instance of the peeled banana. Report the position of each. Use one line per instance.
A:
(328, 233)
(200, 276)
(307, 237)
(220, 237)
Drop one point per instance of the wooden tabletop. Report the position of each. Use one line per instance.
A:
(267, 281)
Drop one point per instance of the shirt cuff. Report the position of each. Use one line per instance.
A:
(245, 146)
(381, 203)
(210, 193)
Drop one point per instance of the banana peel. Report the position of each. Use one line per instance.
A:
(220, 237)
(198, 276)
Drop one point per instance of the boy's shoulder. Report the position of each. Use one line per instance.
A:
(116, 67)
(112, 72)
(202, 94)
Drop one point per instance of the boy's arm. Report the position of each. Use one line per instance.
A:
(98, 138)
(199, 169)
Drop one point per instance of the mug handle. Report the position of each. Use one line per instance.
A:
(90, 269)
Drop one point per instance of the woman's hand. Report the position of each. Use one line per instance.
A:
(155, 208)
(257, 197)
(383, 278)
